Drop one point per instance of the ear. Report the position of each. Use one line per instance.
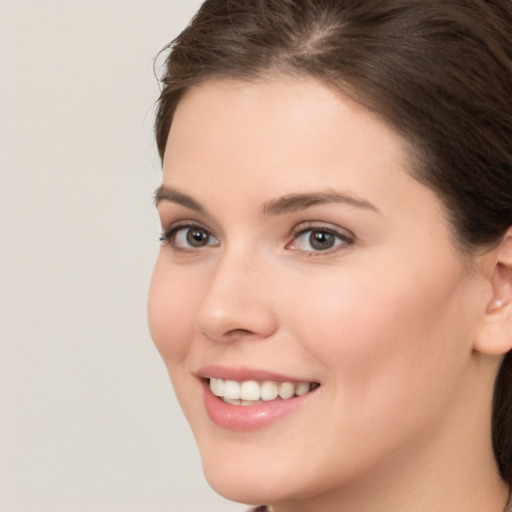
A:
(495, 333)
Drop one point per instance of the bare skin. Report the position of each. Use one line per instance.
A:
(323, 259)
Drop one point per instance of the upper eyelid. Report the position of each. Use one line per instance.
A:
(168, 235)
(319, 225)
(296, 230)
(185, 223)
(174, 227)
(170, 218)
(343, 244)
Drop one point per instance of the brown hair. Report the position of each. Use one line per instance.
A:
(438, 71)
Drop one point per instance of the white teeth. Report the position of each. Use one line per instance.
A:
(302, 389)
(286, 390)
(269, 391)
(238, 402)
(217, 387)
(251, 391)
(231, 390)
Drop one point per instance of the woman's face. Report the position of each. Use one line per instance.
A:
(300, 256)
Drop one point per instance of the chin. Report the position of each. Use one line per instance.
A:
(252, 473)
(243, 484)
(245, 474)
(243, 489)
(256, 465)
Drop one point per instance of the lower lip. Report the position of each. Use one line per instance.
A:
(249, 417)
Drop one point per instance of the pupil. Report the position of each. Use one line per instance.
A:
(197, 237)
(321, 240)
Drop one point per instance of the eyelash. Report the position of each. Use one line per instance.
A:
(168, 237)
(341, 239)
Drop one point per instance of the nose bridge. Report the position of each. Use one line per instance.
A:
(237, 298)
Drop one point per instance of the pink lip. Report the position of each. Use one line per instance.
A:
(249, 417)
(241, 373)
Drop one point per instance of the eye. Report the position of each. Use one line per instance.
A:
(188, 237)
(319, 240)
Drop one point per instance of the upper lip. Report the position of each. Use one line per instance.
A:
(241, 373)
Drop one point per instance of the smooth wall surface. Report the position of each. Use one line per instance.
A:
(88, 420)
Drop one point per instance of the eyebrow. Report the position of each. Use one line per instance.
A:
(297, 202)
(164, 193)
(281, 205)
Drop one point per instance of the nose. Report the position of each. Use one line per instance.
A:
(237, 302)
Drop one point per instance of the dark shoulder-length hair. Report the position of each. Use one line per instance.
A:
(438, 71)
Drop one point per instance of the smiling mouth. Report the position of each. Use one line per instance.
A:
(252, 392)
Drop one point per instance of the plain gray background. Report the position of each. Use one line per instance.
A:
(88, 418)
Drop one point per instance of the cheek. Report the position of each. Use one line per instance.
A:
(382, 336)
(170, 312)
(391, 356)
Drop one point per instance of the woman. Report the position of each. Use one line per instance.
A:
(333, 294)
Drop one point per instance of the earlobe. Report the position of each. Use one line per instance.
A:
(495, 334)
(495, 305)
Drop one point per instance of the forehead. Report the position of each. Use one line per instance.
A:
(234, 146)
(286, 125)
